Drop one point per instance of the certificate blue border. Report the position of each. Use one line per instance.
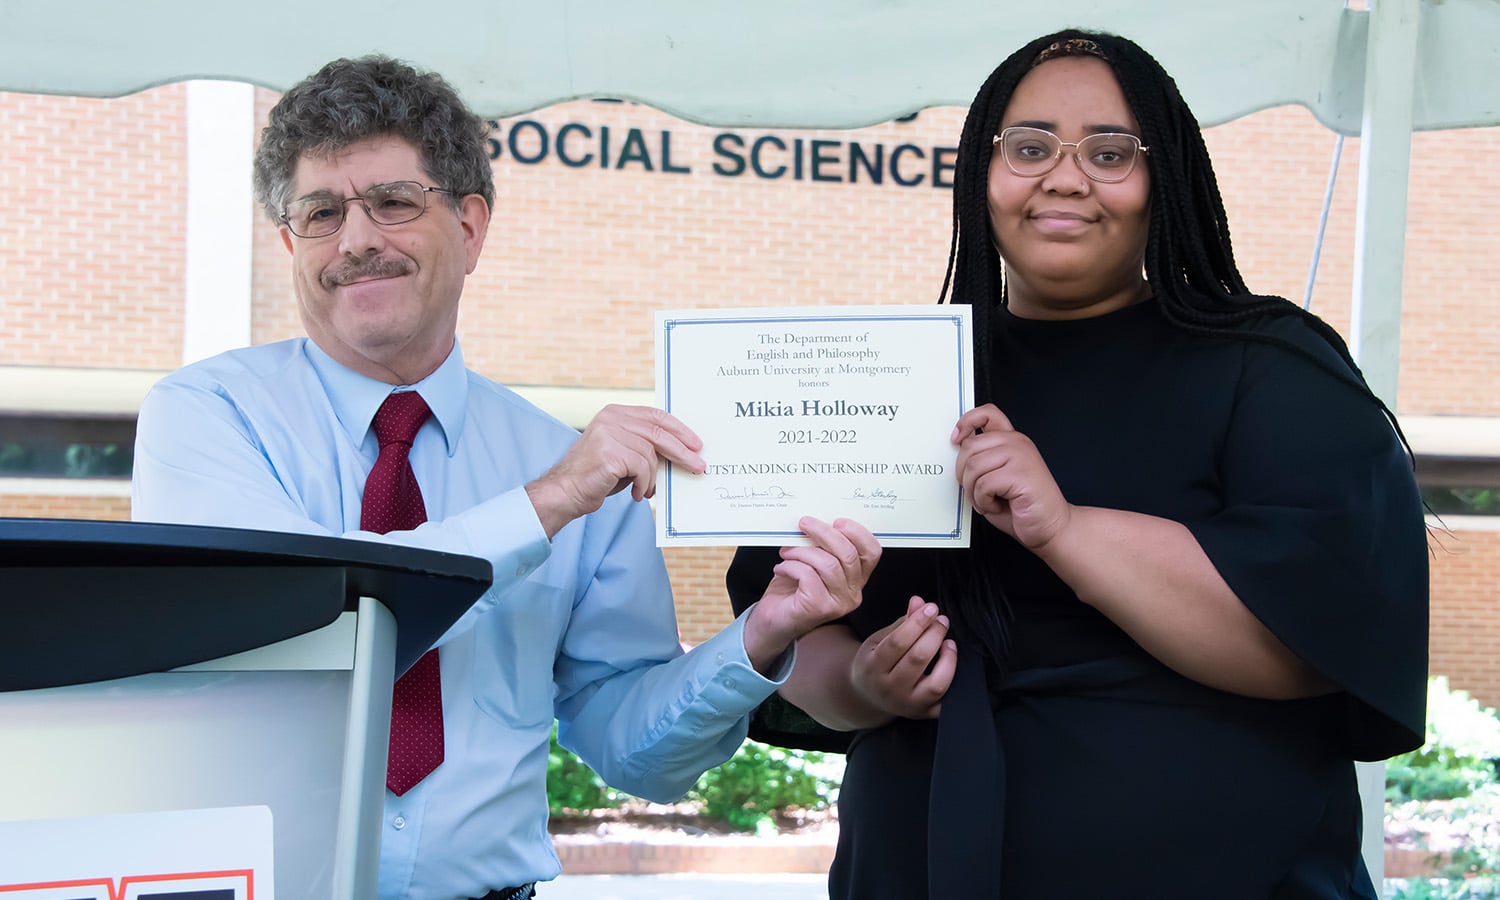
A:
(668, 325)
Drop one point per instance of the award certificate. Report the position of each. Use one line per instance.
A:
(824, 412)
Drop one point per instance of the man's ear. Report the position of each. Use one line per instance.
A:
(474, 219)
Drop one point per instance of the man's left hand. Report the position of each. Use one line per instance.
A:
(811, 586)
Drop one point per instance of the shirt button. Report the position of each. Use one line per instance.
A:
(522, 570)
(399, 822)
(719, 658)
(729, 683)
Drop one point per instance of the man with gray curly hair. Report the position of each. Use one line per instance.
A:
(376, 176)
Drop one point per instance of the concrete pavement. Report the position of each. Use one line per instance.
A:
(689, 886)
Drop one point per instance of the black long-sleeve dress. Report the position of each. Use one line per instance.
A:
(1106, 774)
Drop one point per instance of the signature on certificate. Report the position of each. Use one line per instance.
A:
(877, 498)
(773, 492)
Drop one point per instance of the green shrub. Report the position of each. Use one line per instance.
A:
(761, 780)
(1463, 743)
(1463, 837)
(1447, 798)
(747, 791)
(573, 786)
(1481, 888)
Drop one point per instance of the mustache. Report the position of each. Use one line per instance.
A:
(371, 267)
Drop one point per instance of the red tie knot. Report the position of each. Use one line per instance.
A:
(400, 417)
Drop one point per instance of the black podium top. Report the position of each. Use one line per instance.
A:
(84, 601)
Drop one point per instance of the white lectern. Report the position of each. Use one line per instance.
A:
(159, 669)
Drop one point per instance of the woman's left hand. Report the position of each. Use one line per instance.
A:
(1007, 480)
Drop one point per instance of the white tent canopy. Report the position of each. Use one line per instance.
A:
(786, 63)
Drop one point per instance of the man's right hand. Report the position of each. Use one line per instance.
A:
(623, 445)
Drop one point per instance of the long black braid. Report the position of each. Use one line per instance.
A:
(1189, 265)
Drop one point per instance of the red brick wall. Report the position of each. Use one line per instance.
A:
(1273, 170)
(93, 242)
(1465, 627)
(274, 306)
(579, 258)
(62, 506)
(698, 584)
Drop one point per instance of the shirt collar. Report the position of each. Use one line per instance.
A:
(355, 397)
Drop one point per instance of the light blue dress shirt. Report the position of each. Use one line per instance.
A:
(278, 438)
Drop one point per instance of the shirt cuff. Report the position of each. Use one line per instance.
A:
(727, 649)
(506, 531)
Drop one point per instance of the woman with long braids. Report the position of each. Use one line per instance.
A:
(1197, 590)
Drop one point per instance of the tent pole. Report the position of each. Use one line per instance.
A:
(1379, 248)
(1384, 161)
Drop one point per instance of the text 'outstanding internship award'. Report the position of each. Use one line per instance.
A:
(825, 412)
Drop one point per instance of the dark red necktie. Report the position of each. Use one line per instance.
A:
(393, 502)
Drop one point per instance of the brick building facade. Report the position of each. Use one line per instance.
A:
(609, 211)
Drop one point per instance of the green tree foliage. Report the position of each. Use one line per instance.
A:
(1463, 745)
(746, 792)
(758, 781)
(573, 786)
(1448, 795)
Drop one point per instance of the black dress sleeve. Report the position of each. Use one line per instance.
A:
(1322, 535)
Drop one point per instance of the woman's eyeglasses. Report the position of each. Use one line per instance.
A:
(1108, 157)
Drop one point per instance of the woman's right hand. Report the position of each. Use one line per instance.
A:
(906, 667)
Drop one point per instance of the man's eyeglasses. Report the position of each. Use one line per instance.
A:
(387, 204)
(1030, 152)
